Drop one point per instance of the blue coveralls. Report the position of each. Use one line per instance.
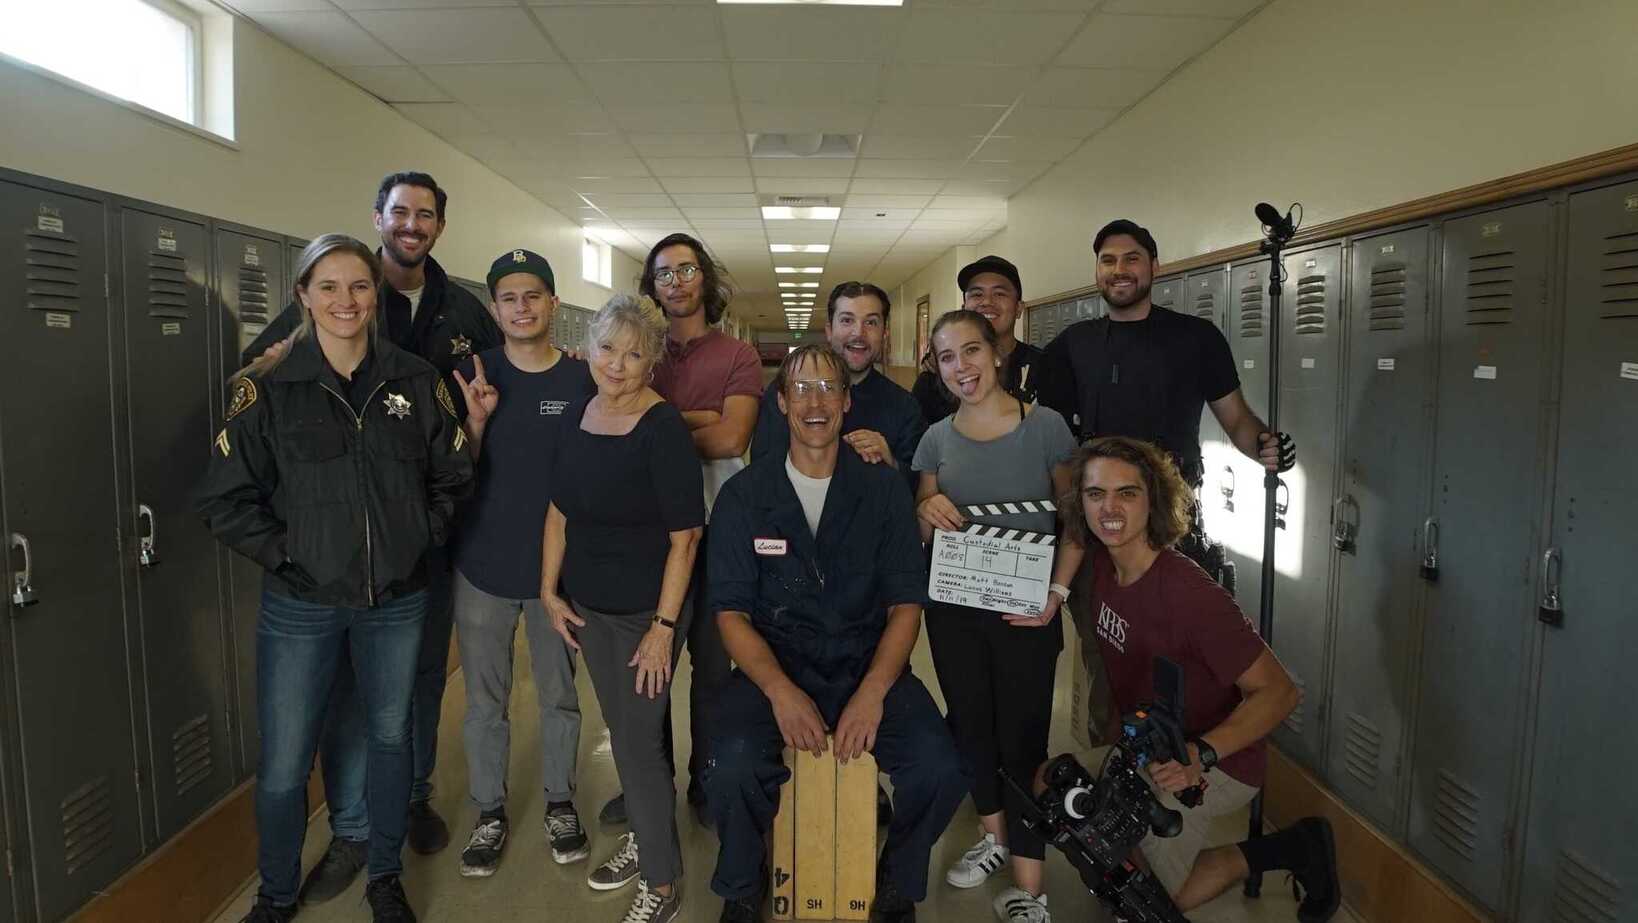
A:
(821, 605)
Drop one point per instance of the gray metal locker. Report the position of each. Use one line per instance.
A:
(478, 290)
(74, 731)
(293, 246)
(1167, 293)
(1310, 356)
(164, 267)
(1377, 519)
(1580, 843)
(251, 287)
(1234, 511)
(1487, 490)
(1090, 307)
(1205, 295)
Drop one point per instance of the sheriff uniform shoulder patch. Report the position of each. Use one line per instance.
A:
(244, 394)
(444, 400)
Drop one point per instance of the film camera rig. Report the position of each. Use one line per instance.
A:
(1097, 822)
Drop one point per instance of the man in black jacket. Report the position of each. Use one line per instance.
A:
(990, 286)
(421, 311)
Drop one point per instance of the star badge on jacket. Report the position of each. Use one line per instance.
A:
(460, 346)
(397, 404)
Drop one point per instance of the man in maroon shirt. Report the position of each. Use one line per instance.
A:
(716, 381)
(1150, 600)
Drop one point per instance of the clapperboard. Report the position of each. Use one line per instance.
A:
(994, 567)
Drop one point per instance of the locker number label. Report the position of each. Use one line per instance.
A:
(1629, 371)
(59, 321)
(252, 258)
(1387, 249)
(1485, 372)
(167, 240)
(49, 223)
(170, 330)
(1384, 365)
(1307, 362)
(1249, 363)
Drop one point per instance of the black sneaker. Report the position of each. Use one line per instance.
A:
(387, 901)
(482, 854)
(335, 871)
(568, 837)
(615, 811)
(741, 910)
(1315, 885)
(890, 906)
(428, 833)
(266, 911)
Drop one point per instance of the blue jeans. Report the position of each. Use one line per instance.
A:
(343, 752)
(301, 648)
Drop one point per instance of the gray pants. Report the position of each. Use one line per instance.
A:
(636, 731)
(487, 626)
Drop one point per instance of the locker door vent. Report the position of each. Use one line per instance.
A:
(1251, 311)
(1165, 296)
(1490, 290)
(1618, 283)
(253, 301)
(88, 824)
(190, 753)
(1311, 304)
(1205, 306)
(1387, 310)
(1294, 721)
(1456, 816)
(1583, 895)
(51, 264)
(1362, 750)
(167, 285)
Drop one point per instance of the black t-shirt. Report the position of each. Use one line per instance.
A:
(499, 547)
(629, 493)
(1021, 378)
(1148, 379)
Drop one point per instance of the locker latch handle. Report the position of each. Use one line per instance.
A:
(1552, 609)
(1430, 550)
(1227, 488)
(1281, 507)
(147, 554)
(1343, 532)
(22, 594)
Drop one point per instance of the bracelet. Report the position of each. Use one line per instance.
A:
(1061, 590)
(662, 620)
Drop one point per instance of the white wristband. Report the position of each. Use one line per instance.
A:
(1061, 590)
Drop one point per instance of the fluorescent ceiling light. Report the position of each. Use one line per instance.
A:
(809, 213)
(804, 270)
(798, 285)
(799, 248)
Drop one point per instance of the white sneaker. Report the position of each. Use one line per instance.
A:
(977, 864)
(1015, 905)
(620, 869)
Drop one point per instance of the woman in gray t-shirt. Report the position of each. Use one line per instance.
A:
(996, 670)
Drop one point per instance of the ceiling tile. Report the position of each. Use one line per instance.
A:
(934, 121)
(605, 184)
(742, 212)
(969, 203)
(702, 117)
(484, 148)
(855, 217)
(797, 84)
(911, 148)
(983, 36)
(1110, 87)
(632, 33)
(699, 166)
(1231, 9)
(578, 170)
(985, 188)
(545, 121)
(657, 83)
(873, 185)
(633, 215)
(249, 7)
(608, 200)
(810, 34)
(688, 202)
(687, 184)
(331, 38)
(954, 83)
(1008, 148)
(878, 201)
(847, 120)
(394, 84)
(1161, 42)
(1047, 122)
(1011, 170)
(444, 119)
(412, 4)
(908, 169)
(464, 36)
(689, 144)
(802, 167)
(785, 185)
(503, 85)
(583, 146)
(738, 224)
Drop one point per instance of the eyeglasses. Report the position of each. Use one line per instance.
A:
(821, 387)
(666, 278)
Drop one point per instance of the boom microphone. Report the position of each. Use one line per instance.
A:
(1278, 225)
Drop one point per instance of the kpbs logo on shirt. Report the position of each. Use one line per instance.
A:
(1111, 627)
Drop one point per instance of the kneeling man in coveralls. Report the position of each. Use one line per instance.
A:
(816, 577)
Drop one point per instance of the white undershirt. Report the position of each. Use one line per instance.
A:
(811, 491)
(414, 297)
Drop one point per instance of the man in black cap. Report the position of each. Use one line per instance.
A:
(991, 287)
(498, 557)
(422, 311)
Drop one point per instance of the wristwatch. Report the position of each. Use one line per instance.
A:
(662, 620)
(1208, 756)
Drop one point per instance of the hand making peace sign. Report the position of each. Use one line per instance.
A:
(480, 396)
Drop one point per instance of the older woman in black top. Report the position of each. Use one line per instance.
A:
(623, 541)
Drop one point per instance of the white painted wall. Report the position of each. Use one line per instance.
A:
(311, 149)
(1377, 103)
(937, 281)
